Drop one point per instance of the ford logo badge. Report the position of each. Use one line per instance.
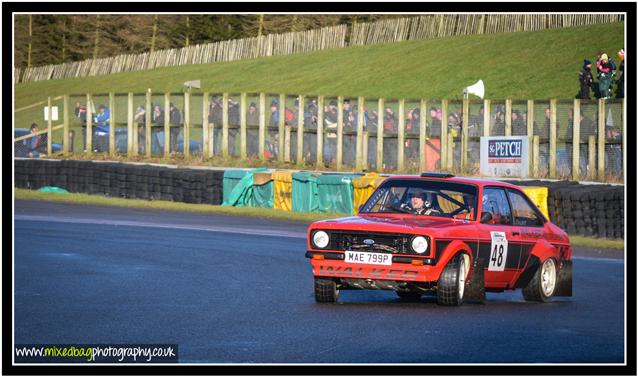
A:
(368, 242)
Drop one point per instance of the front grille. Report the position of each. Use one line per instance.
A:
(383, 242)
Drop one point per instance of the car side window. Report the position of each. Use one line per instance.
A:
(524, 214)
(496, 204)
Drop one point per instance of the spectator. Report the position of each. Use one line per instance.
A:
(34, 142)
(519, 125)
(499, 121)
(252, 121)
(620, 91)
(215, 119)
(102, 118)
(176, 121)
(252, 115)
(389, 120)
(586, 80)
(605, 76)
(140, 115)
(80, 112)
(310, 114)
(476, 122)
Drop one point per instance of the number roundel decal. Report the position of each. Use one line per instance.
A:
(498, 252)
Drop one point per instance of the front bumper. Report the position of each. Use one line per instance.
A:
(403, 268)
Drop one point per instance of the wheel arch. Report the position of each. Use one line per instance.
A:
(454, 248)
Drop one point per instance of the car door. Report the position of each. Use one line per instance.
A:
(530, 222)
(500, 239)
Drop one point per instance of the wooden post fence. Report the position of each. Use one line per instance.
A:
(281, 153)
(530, 129)
(464, 134)
(508, 117)
(591, 157)
(380, 135)
(49, 127)
(206, 145)
(552, 139)
(339, 132)
(300, 129)
(148, 122)
(536, 156)
(444, 135)
(187, 124)
(576, 142)
(89, 126)
(129, 126)
(359, 163)
(112, 124)
(167, 126)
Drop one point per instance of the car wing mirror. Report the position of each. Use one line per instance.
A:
(485, 217)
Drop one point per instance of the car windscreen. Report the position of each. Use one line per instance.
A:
(422, 197)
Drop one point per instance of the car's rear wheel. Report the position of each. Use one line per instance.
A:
(326, 290)
(543, 285)
(409, 295)
(451, 285)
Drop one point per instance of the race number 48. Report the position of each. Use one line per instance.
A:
(498, 252)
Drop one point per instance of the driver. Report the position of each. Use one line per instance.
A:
(421, 203)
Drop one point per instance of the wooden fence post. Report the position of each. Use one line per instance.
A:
(380, 135)
(187, 124)
(287, 136)
(167, 126)
(339, 132)
(508, 117)
(147, 124)
(49, 127)
(281, 153)
(364, 153)
(536, 154)
(262, 125)
(89, 126)
(359, 148)
(129, 126)
(225, 125)
(576, 142)
(242, 126)
(552, 139)
(601, 140)
(300, 130)
(530, 127)
(444, 142)
(401, 135)
(423, 158)
(486, 117)
(112, 124)
(464, 134)
(205, 127)
(591, 157)
(320, 132)
(65, 117)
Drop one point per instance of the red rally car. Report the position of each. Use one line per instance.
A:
(451, 236)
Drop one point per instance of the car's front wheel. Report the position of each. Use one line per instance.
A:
(451, 285)
(326, 290)
(543, 285)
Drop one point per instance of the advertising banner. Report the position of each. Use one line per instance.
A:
(505, 156)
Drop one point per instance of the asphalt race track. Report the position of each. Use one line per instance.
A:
(238, 290)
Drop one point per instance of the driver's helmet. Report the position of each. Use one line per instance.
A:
(425, 196)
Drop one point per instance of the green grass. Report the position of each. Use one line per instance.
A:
(22, 194)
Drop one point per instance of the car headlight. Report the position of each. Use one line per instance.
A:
(321, 239)
(419, 244)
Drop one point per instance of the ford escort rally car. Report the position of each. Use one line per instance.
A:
(438, 234)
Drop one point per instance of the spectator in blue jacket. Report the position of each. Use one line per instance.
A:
(102, 118)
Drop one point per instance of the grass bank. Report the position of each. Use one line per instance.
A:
(266, 213)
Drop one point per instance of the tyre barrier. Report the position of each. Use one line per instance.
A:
(588, 210)
(121, 180)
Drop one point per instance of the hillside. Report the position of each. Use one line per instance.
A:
(538, 65)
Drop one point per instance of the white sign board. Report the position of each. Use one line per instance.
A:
(505, 156)
(54, 113)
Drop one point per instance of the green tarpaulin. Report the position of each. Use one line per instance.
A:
(305, 197)
(53, 189)
(336, 193)
(240, 189)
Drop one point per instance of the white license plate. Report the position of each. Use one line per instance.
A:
(368, 258)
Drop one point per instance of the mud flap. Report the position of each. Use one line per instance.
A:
(564, 279)
(475, 288)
